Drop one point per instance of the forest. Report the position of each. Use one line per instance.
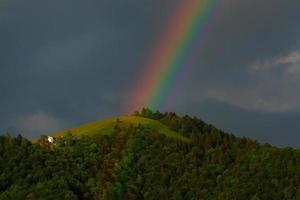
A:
(138, 162)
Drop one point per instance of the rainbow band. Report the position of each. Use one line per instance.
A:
(169, 54)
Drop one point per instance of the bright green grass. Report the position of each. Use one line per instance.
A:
(106, 126)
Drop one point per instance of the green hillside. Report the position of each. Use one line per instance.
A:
(107, 126)
(149, 155)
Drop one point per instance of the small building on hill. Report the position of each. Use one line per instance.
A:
(50, 139)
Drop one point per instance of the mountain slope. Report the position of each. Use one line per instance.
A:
(147, 156)
(107, 126)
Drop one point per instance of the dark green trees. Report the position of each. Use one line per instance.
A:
(137, 162)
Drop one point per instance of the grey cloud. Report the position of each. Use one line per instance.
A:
(38, 123)
(70, 59)
(245, 34)
(273, 88)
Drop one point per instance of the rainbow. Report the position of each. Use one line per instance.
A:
(171, 54)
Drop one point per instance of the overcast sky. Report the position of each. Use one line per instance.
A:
(67, 62)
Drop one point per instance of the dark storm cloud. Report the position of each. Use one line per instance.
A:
(69, 62)
(246, 34)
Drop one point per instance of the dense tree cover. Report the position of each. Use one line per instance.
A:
(140, 163)
(63, 171)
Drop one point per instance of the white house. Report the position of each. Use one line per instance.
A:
(50, 139)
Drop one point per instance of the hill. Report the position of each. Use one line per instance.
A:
(150, 155)
(107, 127)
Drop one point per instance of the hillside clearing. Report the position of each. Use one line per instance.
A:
(106, 127)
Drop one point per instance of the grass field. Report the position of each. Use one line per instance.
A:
(106, 126)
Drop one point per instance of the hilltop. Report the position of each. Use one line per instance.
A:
(107, 126)
(149, 155)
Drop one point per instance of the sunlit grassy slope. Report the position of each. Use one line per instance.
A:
(106, 126)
